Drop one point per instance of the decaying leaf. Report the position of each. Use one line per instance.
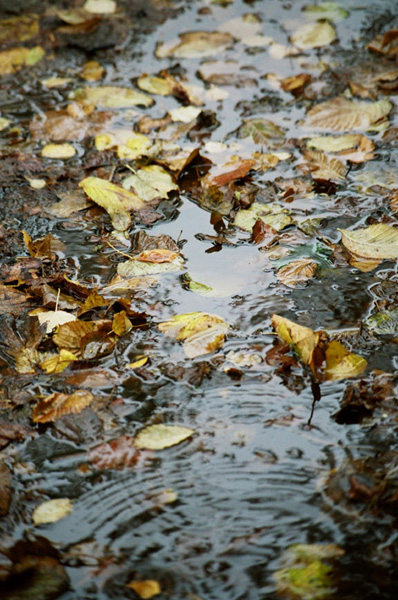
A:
(92, 71)
(151, 182)
(296, 272)
(14, 59)
(324, 167)
(195, 44)
(70, 335)
(374, 242)
(231, 171)
(57, 404)
(164, 261)
(145, 588)
(202, 333)
(158, 437)
(313, 35)
(113, 97)
(116, 454)
(341, 114)
(262, 131)
(271, 214)
(52, 511)
(340, 363)
(52, 318)
(59, 362)
(117, 201)
(19, 29)
(383, 322)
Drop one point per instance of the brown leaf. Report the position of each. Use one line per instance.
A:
(117, 454)
(54, 406)
(121, 324)
(362, 153)
(296, 84)
(231, 171)
(12, 301)
(12, 432)
(297, 271)
(46, 246)
(70, 335)
(156, 256)
(5, 488)
(65, 125)
(264, 234)
(323, 167)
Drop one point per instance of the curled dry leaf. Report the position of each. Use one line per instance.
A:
(158, 437)
(117, 201)
(341, 364)
(374, 242)
(313, 35)
(195, 44)
(296, 84)
(145, 588)
(297, 272)
(52, 511)
(341, 114)
(56, 405)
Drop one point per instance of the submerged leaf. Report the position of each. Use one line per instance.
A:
(137, 267)
(114, 199)
(271, 214)
(262, 131)
(375, 242)
(384, 322)
(341, 114)
(297, 271)
(14, 59)
(56, 405)
(52, 511)
(340, 363)
(202, 333)
(323, 167)
(313, 35)
(158, 437)
(151, 182)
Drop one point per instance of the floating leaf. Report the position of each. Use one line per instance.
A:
(139, 362)
(56, 364)
(271, 214)
(52, 318)
(14, 59)
(70, 335)
(151, 182)
(323, 167)
(313, 35)
(136, 267)
(202, 332)
(335, 143)
(228, 172)
(298, 271)
(52, 511)
(158, 437)
(116, 454)
(341, 114)
(195, 44)
(58, 151)
(185, 114)
(303, 339)
(206, 341)
(375, 242)
(103, 7)
(135, 146)
(145, 588)
(92, 71)
(113, 97)
(121, 324)
(56, 405)
(340, 363)
(331, 11)
(114, 199)
(155, 85)
(262, 131)
(384, 322)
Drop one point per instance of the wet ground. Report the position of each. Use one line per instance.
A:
(277, 457)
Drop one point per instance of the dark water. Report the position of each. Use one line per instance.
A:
(251, 482)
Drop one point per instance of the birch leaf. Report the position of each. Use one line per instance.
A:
(158, 437)
(114, 199)
(340, 363)
(56, 405)
(52, 511)
(375, 242)
(313, 35)
(298, 271)
(341, 114)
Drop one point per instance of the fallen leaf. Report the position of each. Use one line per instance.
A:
(298, 271)
(58, 151)
(335, 143)
(70, 335)
(236, 169)
(185, 114)
(52, 318)
(139, 362)
(14, 59)
(135, 267)
(271, 214)
(94, 300)
(92, 71)
(52, 511)
(303, 339)
(151, 182)
(5, 488)
(295, 84)
(202, 333)
(383, 322)
(313, 35)
(323, 167)
(158, 437)
(155, 85)
(11, 300)
(113, 97)
(65, 125)
(116, 454)
(341, 114)
(374, 242)
(114, 199)
(103, 7)
(340, 363)
(362, 153)
(331, 11)
(195, 44)
(70, 202)
(262, 131)
(57, 404)
(55, 82)
(19, 29)
(58, 363)
(145, 588)
(121, 324)
(46, 246)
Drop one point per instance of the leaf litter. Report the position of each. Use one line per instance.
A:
(278, 139)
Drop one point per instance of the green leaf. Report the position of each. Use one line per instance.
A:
(158, 437)
(384, 322)
(376, 241)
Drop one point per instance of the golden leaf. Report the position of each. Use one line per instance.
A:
(92, 71)
(340, 363)
(145, 588)
(139, 362)
(341, 114)
(303, 339)
(121, 324)
(94, 300)
(58, 151)
(70, 335)
(158, 437)
(56, 364)
(56, 405)
(374, 242)
(313, 35)
(14, 59)
(114, 199)
(202, 333)
(52, 511)
(297, 271)
(195, 44)
(113, 97)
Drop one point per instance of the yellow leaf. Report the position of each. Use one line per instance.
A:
(145, 588)
(121, 324)
(136, 267)
(92, 71)
(94, 300)
(374, 242)
(135, 146)
(70, 335)
(113, 97)
(341, 114)
(202, 333)
(56, 405)
(102, 7)
(14, 59)
(56, 364)
(184, 114)
(151, 182)
(114, 199)
(195, 44)
(58, 151)
(340, 363)
(158, 437)
(52, 318)
(155, 85)
(139, 362)
(271, 214)
(313, 35)
(303, 339)
(297, 271)
(54, 82)
(52, 511)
